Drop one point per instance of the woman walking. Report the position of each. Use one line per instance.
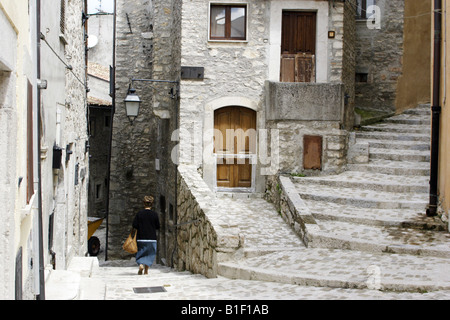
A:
(146, 222)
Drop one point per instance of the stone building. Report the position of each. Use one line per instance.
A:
(100, 58)
(43, 116)
(141, 149)
(222, 75)
(250, 89)
(392, 55)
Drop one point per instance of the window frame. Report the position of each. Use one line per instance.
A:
(228, 37)
(363, 5)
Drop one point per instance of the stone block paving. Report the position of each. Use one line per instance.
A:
(260, 223)
(115, 280)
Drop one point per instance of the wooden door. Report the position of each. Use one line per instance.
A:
(234, 143)
(312, 152)
(298, 46)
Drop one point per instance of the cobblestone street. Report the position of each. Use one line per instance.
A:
(115, 280)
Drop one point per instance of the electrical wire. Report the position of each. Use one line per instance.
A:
(68, 66)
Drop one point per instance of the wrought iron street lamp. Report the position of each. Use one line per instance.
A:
(132, 104)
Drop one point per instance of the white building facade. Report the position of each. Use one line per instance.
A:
(44, 130)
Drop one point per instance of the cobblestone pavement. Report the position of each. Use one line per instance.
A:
(115, 280)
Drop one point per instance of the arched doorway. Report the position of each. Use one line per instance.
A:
(235, 148)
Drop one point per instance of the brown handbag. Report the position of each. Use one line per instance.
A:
(130, 244)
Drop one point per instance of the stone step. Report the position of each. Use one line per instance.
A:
(421, 110)
(337, 268)
(363, 198)
(394, 137)
(400, 218)
(399, 155)
(65, 284)
(397, 145)
(351, 236)
(410, 119)
(405, 168)
(370, 181)
(396, 128)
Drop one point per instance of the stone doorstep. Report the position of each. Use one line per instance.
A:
(65, 284)
(348, 281)
(62, 285)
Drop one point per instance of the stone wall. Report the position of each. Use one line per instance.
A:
(290, 145)
(205, 234)
(282, 193)
(234, 73)
(349, 63)
(414, 85)
(144, 154)
(327, 99)
(74, 133)
(134, 146)
(379, 53)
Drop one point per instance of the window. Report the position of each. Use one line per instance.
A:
(362, 77)
(361, 10)
(228, 22)
(62, 21)
(107, 121)
(98, 191)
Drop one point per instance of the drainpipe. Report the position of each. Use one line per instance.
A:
(435, 110)
(41, 295)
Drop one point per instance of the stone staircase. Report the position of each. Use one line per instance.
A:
(372, 230)
(380, 206)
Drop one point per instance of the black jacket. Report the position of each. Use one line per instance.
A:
(146, 222)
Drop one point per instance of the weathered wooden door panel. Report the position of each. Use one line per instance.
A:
(224, 175)
(312, 152)
(298, 46)
(244, 174)
(245, 131)
(305, 68)
(287, 68)
(223, 120)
